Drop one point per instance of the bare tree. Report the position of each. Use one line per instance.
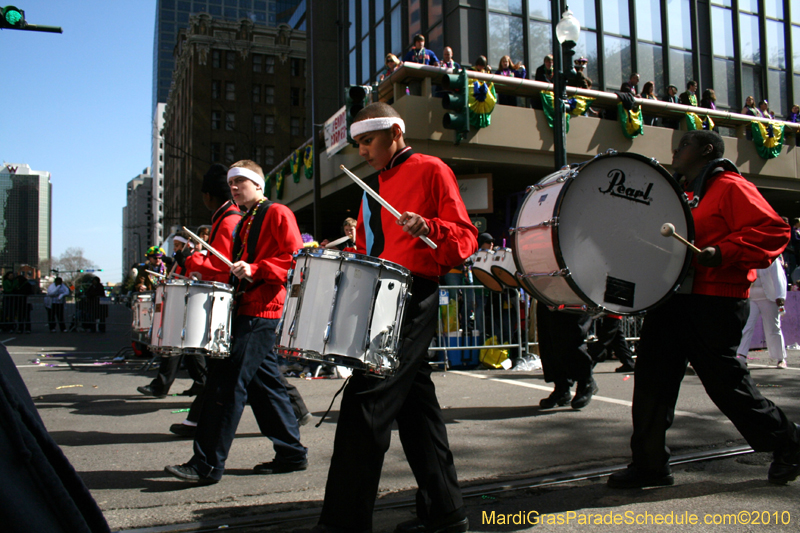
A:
(70, 262)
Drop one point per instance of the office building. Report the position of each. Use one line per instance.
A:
(25, 217)
(137, 220)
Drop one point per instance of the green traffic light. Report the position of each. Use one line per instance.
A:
(13, 15)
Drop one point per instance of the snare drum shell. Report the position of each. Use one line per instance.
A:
(482, 270)
(142, 310)
(504, 268)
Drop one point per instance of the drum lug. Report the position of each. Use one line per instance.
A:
(553, 222)
(328, 328)
(375, 291)
(299, 305)
(563, 273)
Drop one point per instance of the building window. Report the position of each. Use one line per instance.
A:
(230, 121)
(216, 118)
(269, 66)
(297, 67)
(269, 124)
(257, 62)
(230, 153)
(269, 94)
(256, 123)
(295, 126)
(216, 58)
(269, 156)
(216, 153)
(257, 154)
(505, 37)
(230, 90)
(230, 60)
(256, 93)
(295, 96)
(216, 88)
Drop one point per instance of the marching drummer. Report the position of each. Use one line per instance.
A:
(264, 241)
(424, 189)
(154, 263)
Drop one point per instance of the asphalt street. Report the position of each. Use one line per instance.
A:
(118, 441)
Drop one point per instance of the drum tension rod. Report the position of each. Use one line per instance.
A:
(547, 223)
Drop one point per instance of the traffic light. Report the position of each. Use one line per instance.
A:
(457, 101)
(356, 98)
(12, 18)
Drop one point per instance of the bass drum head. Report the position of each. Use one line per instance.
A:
(609, 233)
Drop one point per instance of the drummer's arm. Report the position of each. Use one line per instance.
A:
(279, 240)
(451, 229)
(210, 266)
(361, 235)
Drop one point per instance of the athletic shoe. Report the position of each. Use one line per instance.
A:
(187, 473)
(634, 478)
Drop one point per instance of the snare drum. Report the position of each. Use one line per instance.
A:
(590, 237)
(192, 317)
(503, 268)
(482, 270)
(344, 309)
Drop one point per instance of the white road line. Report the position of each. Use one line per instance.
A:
(595, 397)
(7, 340)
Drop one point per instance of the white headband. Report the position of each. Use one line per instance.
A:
(179, 239)
(375, 124)
(247, 173)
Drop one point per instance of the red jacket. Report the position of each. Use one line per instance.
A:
(222, 226)
(278, 240)
(424, 185)
(733, 215)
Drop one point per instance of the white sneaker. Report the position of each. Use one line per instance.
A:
(782, 364)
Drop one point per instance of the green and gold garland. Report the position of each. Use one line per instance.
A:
(294, 161)
(631, 121)
(768, 138)
(308, 161)
(482, 99)
(696, 122)
(548, 106)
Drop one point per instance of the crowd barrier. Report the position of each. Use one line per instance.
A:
(22, 314)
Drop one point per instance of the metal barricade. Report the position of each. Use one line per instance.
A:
(472, 318)
(29, 313)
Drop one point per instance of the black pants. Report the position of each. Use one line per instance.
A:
(562, 346)
(169, 367)
(370, 406)
(56, 313)
(610, 340)
(704, 331)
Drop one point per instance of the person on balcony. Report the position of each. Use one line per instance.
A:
(648, 93)
(513, 70)
(689, 97)
(420, 54)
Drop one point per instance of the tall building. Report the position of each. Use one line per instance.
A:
(157, 173)
(137, 220)
(25, 217)
(173, 15)
(239, 93)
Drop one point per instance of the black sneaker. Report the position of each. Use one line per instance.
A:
(147, 390)
(560, 396)
(187, 473)
(280, 467)
(786, 466)
(624, 368)
(183, 430)
(634, 478)
(448, 524)
(584, 393)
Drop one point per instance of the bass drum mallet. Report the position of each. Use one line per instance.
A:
(668, 230)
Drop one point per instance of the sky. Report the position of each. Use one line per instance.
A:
(78, 105)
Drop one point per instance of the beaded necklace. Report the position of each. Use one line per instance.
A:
(246, 230)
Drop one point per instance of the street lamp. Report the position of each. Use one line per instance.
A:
(567, 32)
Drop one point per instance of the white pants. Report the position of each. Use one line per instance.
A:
(768, 311)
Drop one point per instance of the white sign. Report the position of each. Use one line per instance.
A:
(476, 191)
(336, 132)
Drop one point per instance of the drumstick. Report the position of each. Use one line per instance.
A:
(384, 203)
(155, 273)
(668, 230)
(212, 250)
(337, 242)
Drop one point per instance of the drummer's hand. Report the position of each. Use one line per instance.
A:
(710, 257)
(240, 269)
(324, 243)
(413, 224)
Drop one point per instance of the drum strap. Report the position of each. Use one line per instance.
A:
(223, 216)
(240, 286)
(318, 424)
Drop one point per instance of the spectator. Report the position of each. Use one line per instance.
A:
(10, 299)
(633, 81)
(510, 69)
(689, 97)
(767, 297)
(391, 65)
(709, 99)
(447, 59)
(544, 72)
(672, 97)
(648, 93)
(580, 64)
(420, 54)
(750, 107)
(763, 108)
(794, 116)
(95, 313)
(54, 302)
(25, 288)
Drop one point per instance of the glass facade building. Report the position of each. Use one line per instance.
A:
(25, 217)
(739, 48)
(172, 15)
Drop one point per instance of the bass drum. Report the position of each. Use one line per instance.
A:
(589, 238)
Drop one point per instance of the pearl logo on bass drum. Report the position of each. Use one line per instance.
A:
(616, 187)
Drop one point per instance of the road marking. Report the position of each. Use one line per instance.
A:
(595, 397)
(7, 340)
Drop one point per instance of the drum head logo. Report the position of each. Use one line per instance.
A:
(542, 198)
(618, 188)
